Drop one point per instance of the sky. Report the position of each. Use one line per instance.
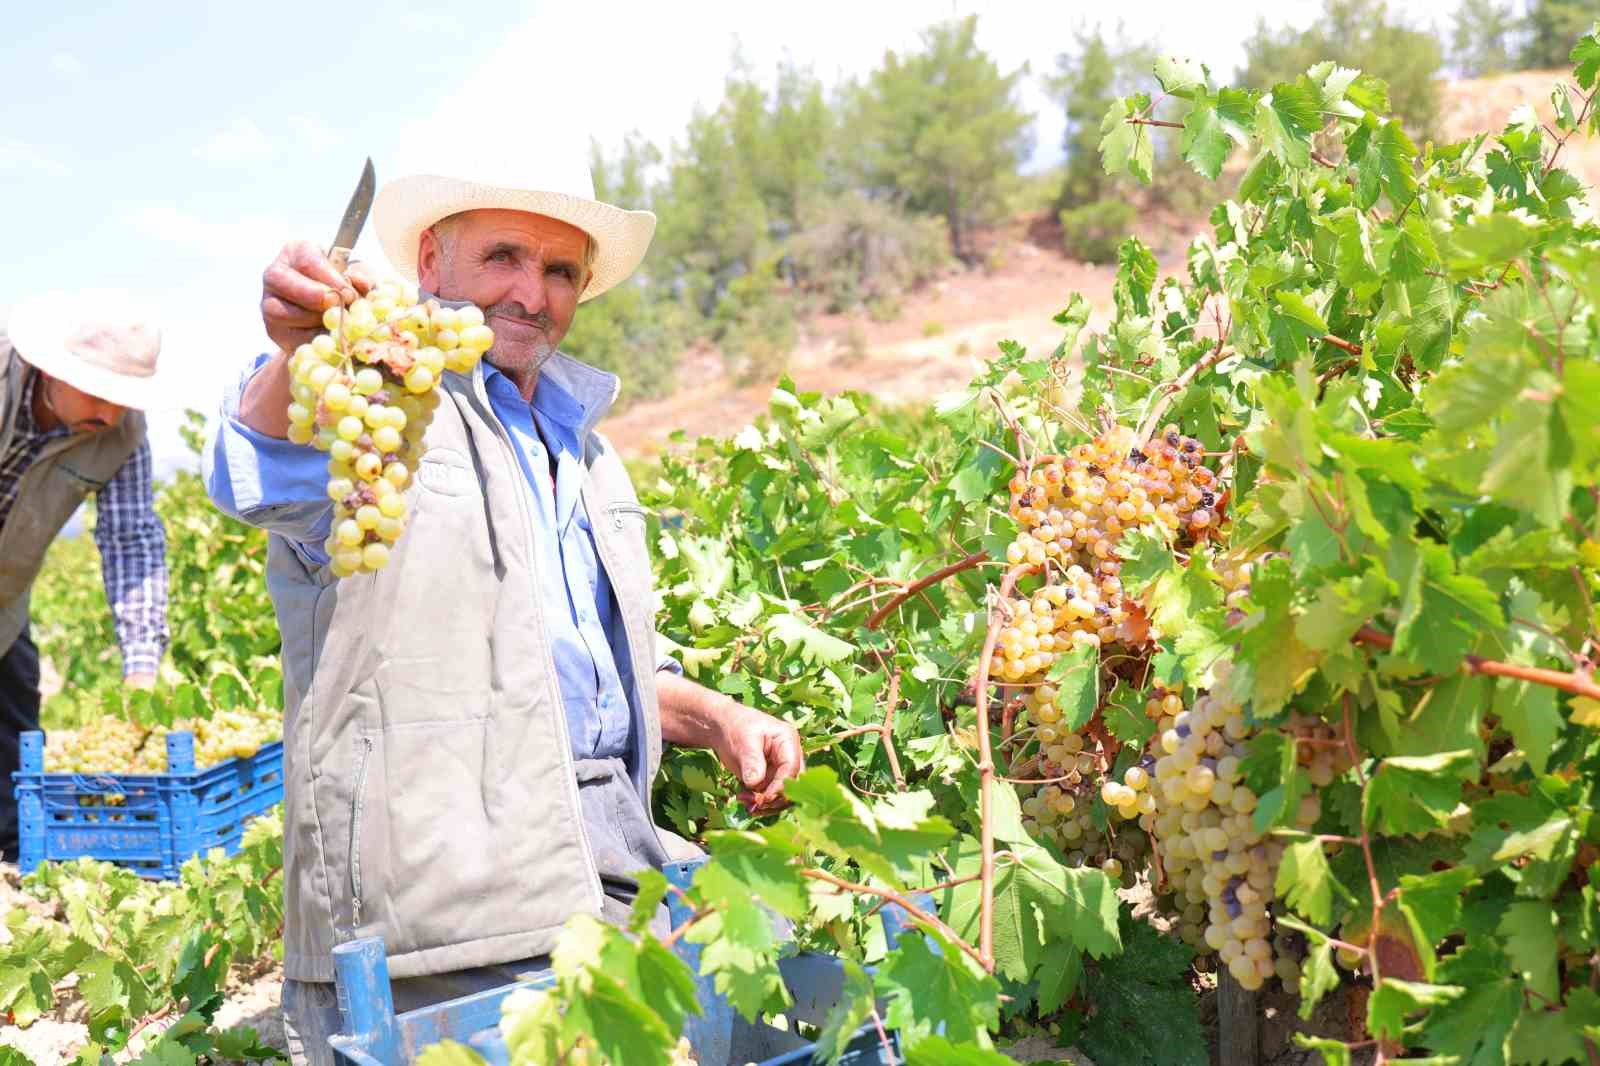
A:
(169, 148)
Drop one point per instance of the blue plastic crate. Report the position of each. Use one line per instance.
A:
(374, 1035)
(149, 823)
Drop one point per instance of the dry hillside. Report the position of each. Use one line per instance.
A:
(944, 329)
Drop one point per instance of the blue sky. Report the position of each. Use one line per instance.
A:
(169, 148)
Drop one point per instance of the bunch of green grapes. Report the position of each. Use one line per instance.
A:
(1220, 869)
(117, 746)
(104, 745)
(364, 392)
(1070, 511)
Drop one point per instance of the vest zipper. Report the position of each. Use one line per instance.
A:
(571, 784)
(357, 812)
(617, 510)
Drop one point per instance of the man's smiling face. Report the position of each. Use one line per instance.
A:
(525, 271)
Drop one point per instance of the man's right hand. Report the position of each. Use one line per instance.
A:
(299, 286)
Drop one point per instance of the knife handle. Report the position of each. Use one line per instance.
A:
(340, 258)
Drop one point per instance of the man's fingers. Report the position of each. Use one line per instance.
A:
(280, 312)
(752, 760)
(361, 277)
(309, 260)
(785, 758)
(292, 287)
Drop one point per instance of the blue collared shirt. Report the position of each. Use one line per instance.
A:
(281, 487)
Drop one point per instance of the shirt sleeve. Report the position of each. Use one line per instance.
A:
(266, 482)
(133, 562)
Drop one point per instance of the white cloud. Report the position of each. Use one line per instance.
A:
(66, 65)
(21, 157)
(241, 141)
(248, 236)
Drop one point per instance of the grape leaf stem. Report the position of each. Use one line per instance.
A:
(1575, 684)
(877, 617)
(898, 899)
(997, 620)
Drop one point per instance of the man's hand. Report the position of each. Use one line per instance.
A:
(301, 284)
(762, 752)
(139, 680)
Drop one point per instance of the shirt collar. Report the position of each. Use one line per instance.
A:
(571, 395)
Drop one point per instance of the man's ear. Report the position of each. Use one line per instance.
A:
(428, 257)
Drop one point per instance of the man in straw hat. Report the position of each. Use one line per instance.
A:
(473, 731)
(75, 373)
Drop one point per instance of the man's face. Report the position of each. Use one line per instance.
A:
(525, 271)
(75, 409)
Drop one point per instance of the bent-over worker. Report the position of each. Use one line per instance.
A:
(76, 371)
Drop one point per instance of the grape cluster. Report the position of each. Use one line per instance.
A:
(1071, 510)
(117, 746)
(1219, 869)
(364, 392)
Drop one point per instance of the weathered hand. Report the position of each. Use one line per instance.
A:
(301, 284)
(762, 752)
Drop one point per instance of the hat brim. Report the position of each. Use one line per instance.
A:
(37, 341)
(407, 206)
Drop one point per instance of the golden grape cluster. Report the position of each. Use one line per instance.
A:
(1071, 510)
(117, 746)
(364, 392)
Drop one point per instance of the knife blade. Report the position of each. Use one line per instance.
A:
(355, 216)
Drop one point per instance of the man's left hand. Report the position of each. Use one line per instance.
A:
(762, 752)
(139, 681)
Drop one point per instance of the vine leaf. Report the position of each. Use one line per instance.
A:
(932, 985)
(1418, 793)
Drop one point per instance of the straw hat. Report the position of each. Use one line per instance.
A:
(551, 180)
(99, 342)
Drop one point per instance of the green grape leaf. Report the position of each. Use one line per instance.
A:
(932, 990)
(1285, 121)
(1124, 145)
(1529, 932)
(1179, 76)
(1206, 140)
(810, 643)
(763, 863)
(1039, 907)
(1125, 716)
(1442, 611)
(1393, 1000)
(1145, 1012)
(1529, 711)
(1305, 882)
(450, 1053)
(1431, 905)
(1491, 240)
(1415, 794)
(1586, 59)
(1076, 675)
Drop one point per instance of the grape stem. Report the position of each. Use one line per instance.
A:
(997, 620)
(877, 617)
(1181, 382)
(899, 900)
(1576, 684)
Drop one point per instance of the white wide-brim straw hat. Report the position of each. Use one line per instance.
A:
(542, 179)
(101, 342)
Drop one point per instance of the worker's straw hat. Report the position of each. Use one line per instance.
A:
(99, 342)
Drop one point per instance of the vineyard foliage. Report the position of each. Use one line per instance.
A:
(1387, 359)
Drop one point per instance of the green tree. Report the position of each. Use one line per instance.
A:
(637, 329)
(940, 130)
(1483, 38)
(1087, 79)
(1551, 29)
(1363, 34)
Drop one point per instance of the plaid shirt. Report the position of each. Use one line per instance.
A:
(132, 542)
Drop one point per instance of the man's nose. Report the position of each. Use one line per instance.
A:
(529, 289)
